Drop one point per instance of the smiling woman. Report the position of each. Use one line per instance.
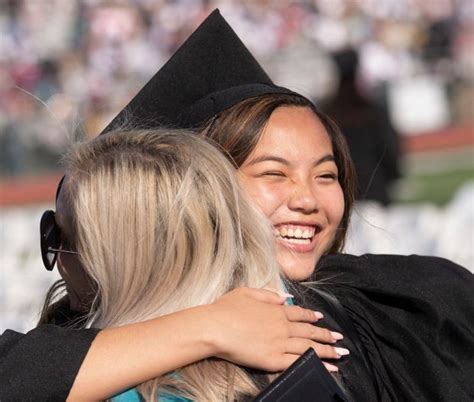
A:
(294, 164)
(293, 178)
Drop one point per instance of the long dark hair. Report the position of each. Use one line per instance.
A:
(238, 129)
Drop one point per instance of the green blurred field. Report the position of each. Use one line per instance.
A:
(434, 177)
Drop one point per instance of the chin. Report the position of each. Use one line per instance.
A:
(297, 272)
(297, 267)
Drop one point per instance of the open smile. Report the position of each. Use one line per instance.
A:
(297, 237)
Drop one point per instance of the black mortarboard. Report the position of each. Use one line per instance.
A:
(210, 72)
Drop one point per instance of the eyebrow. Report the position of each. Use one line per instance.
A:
(273, 158)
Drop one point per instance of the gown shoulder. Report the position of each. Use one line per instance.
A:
(414, 317)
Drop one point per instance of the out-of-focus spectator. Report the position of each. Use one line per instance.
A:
(372, 140)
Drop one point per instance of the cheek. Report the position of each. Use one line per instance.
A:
(62, 263)
(265, 196)
(72, 272)
(335, 205)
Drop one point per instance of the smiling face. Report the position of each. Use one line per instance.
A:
(293, 178)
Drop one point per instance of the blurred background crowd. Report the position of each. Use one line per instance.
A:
(398, 75)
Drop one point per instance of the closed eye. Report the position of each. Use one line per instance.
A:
(328, 176)
(273, 173)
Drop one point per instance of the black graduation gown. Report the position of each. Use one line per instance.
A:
(408, 321)
(42, 364)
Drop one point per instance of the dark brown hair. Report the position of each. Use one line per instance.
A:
(238, 129)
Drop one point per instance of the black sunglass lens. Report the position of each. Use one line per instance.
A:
(50, 231)
(50, 238)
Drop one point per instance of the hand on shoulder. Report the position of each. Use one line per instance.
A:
(253, 327)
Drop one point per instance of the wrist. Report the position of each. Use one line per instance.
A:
(210, 331)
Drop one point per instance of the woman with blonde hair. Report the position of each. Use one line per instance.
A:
(159, 224)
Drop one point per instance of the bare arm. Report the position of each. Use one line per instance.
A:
(246, 326)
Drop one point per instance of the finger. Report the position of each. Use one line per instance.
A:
(331, 367)
(299, 314)
(300, 345)
(330, 352)
(313, 332)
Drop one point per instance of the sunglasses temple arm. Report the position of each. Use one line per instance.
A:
(62, 251)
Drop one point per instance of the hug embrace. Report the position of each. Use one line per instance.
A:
(200, 239)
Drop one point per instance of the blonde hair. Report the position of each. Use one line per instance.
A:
(161, 225)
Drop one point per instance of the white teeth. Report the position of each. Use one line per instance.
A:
(297, 233)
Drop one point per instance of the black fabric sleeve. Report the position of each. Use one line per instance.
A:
(42, 364)
(414, 316)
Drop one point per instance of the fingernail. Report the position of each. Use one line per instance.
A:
(286, 295)
(342, 351)
(330, 367)
(318, 315)
(337, 336)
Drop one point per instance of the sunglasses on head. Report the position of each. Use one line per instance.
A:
(51, 240)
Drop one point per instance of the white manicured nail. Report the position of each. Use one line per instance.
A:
(342, 351)
(330, 367)
(318, 315)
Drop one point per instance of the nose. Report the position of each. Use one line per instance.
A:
(303, 198)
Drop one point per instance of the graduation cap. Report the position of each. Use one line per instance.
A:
(210, 72)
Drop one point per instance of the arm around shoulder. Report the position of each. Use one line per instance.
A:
(246, 326)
